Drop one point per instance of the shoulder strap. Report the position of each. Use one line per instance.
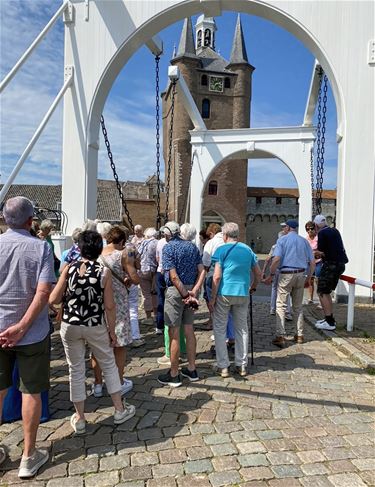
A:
(228, 252)
(114, 273)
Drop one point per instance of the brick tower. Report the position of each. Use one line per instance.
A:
(222, 93)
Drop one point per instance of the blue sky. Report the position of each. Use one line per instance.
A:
(280, 87)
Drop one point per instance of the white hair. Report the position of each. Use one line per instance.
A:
(46, 225)
(75, 234)
(188, 231)
(150, 232)
(17, 211)
(231, 230)
(103, 228)
(89, 225)
(138, 227)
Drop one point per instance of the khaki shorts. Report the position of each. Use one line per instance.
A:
(176, 313)
(33, 364)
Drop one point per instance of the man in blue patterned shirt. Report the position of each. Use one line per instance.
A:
(185, 273)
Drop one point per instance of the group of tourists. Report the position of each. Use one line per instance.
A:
(95, 293)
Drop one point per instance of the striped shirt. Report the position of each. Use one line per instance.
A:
(25, 261)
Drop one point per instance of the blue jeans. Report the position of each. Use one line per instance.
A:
(230, 325)
(160, 288)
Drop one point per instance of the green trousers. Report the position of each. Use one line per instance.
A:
(167, 344)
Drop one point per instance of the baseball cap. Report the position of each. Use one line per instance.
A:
(283, 224)
(320, 219)
(172, 228)
(292, 223)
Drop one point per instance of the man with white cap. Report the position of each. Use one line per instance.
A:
(294, 257)
(331, 250)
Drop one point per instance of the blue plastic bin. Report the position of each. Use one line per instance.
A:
(13, 402)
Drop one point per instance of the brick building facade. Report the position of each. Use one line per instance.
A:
(222, 92)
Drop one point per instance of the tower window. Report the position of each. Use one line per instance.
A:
(212, 188)
(199, 38)
(204, 80)
(206, 108)
(227, 83)
(258, 200)
(207, 37)
(278, 200)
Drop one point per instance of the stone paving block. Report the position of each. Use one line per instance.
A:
(173, 456)
(283, 458)
(132, 483)
(105, 479)
(241, 436)
(225, 463)
(230, 477)
(256, 473)
(188, 441)
(150, 433)
(279, 445)
(315, 481)
(88, 465)
(159, 444)
(287, 471)
(363, 451)
(167, 470)
(65, 482)
(339, 466)
(315, 432)
(150, 419)
(199, 452)
(136, 473)
(346, 480)
(311, 456)
(193, 481)
(269, 434)
(253, 460)
(51, 471)
(314, 469)
(368, 478)
(204, 428)
(333, 441)
(251, 447)
(198, 466)
(223, 449)
(216, 438)
(365, 463)
(338, 453)
(243, 413)
(139, 459)
(124, 437)
(254, 425)
(357, 440)
(101, 451)
(114, 462)
(287, 482)
(228, 427)
(136, 446)
(164, 482)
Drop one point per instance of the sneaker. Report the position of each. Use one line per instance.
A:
(122, 416)
(138, 342)
(279, 342)
(324, 325)
(29, 466)
(3, 455)
(97, 390)
(78, 425)
(164, 360)
(319, 321)
(241, 370)
(168, 380)
(148, 321)
(158, 331)
(224, 372)
(288, 317)
(212, 337)
(298, 338)
(273, 312)
(192, 375)
(127, 386)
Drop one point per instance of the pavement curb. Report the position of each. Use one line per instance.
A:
(356, 355)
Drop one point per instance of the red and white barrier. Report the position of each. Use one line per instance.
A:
(353, 282)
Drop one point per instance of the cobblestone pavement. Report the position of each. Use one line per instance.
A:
(303, 417)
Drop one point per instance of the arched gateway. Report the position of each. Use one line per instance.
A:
(339, 34)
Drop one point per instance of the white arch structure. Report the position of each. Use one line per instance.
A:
(102, 35)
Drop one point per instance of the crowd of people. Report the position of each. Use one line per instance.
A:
(94, 292)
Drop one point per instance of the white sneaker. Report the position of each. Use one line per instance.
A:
(30, 466)
(325, 326)
(212, 338)
(78, 425)
(97, 390)
(158, 331)
(164, 360)
(127, 386)
(122, 416)
(319, 321)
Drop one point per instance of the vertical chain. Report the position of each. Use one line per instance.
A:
(170, 147)
(322, 119)
(115, 175)
(318, 145)
(157, 115)
(313, 209)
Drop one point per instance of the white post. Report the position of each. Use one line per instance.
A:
(350, 316)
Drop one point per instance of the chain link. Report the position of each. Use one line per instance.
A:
(115, 175)
(313, 209)
(170, 147)
(157, 124)
(321, 131)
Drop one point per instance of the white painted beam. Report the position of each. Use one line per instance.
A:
(312, 97)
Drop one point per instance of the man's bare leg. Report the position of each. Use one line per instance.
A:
(191, 346)
(326, 302)
(31, 413)
(174, 340)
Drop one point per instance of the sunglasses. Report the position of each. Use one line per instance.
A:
(310, 228)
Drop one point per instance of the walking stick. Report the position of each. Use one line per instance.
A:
(251, 328)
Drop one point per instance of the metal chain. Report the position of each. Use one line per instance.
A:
(321, 131)
(115, 175)
(170, 147)
(157, 117)
(313, 209)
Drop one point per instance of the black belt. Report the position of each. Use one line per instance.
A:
(296, 271)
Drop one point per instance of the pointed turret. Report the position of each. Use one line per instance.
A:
(186, 46)
(238, 54)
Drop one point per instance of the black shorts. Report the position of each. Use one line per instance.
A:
(329, 277)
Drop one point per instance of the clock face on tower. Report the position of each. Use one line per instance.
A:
(216, 84)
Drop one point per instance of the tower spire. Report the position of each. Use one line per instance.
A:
(186, 46)
(238, 54)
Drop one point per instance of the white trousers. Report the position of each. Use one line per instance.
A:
(133, 310)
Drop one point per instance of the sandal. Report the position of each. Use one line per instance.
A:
(78, 425)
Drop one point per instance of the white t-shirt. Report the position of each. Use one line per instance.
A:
(210, 248)
(159, 252)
